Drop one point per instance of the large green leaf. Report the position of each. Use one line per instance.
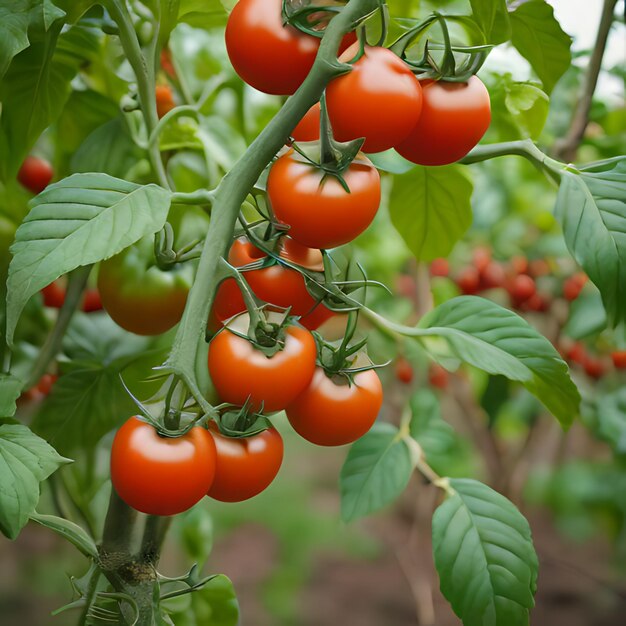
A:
(79, 221)
(10, 389)
(591, 206)
(70, 531)
(431, 209)
(493, 18)
(34, 91)
(204, 13)
(586, 316)
(25, 461)
(496, 340)
(539, 38)
(376, 471)
(485, 557)
(608, 419)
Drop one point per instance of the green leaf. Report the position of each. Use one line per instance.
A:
(493, 18)
(609, 419)
(587, 317)
(205, 14)
(427, 426)
(79, 221)
(485, 556)
(25, 461)
(431, 209)
(591, 207)
(88, 400)
(539, 38)
(70, 531)
(214, 604)
(10, 389)
(496, 340)
(376, 471)
(528, 106)
(33, 93)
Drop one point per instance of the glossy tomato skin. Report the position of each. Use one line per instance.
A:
(320, 213)
(140, 297)
(158, 475)
(35, 174)
(268, 56)
(380, 99)
(454, 118)
(241, 372)
(308, 128)
(331, 414)
(245, 466)
(277, 284)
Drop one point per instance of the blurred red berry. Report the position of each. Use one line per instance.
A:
(538, 267)
(493, 276)
(92, 301)
(45, 383)
(537, 302)
(405, 285)
(469, 281)
(519, 264)
(438, 376)
(577, 353)
(53, 295)
(573, 286)
(404, 370)
(619, 359)
(521, 288)
(440, 267)
(164, 100)
(166, 63)
(35, 174)
(594, 367)
(482, 258)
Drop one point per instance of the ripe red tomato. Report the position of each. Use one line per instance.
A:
(538, 303)
(454, 118)
(332, 413)
(438, 376)
(240, 372)
(619, 359)
(139, 296)
(440, 267)
(594, 367)
(159, 475)
(164, 100)
(308, 128)
(521, 288)
(404, 370)
(35, 174)
(577, 353)
(492, 276)
(53, 295)
(380, 99)
(92, 301)
(277, 284)
(317, 209)
(267, 55)
(469, 281)
(573, 286)
(245, 466)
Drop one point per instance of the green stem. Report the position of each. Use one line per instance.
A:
(52, 347)
(153, 537)
(90, 595)
(146, 81)
(235, 186)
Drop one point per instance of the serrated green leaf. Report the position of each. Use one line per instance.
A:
(376, 471)
(493, 18)
(10, 389)
(485, 556)
(70, 531)
(431, 209)
(496, 340)
(539, 38)
(25, 461)
(591, 207)
(79, 221)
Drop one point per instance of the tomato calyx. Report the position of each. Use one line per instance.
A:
(241, 422)
(446, 68)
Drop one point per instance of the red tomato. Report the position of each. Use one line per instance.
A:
(332, 413)
(404, 370)
(92, 301)
(619, 359)
(241, 372)
(164, 100)
(440, 267)
(317, 209)
(53, 295)
(594, 367)
(492, 276)
(454, 118)
(482, 258)
(46, 382)
(438, 376)
(166, 63)
(538, 267)
(277, 284)
(308, 128)
(35, 174)
(245, 466)
(159, 475)
(573, 286)
(577, 353)
(521, 288)
(469, 281)
(519, 264)
(537, 302)
(380, 99)
(267, 55)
